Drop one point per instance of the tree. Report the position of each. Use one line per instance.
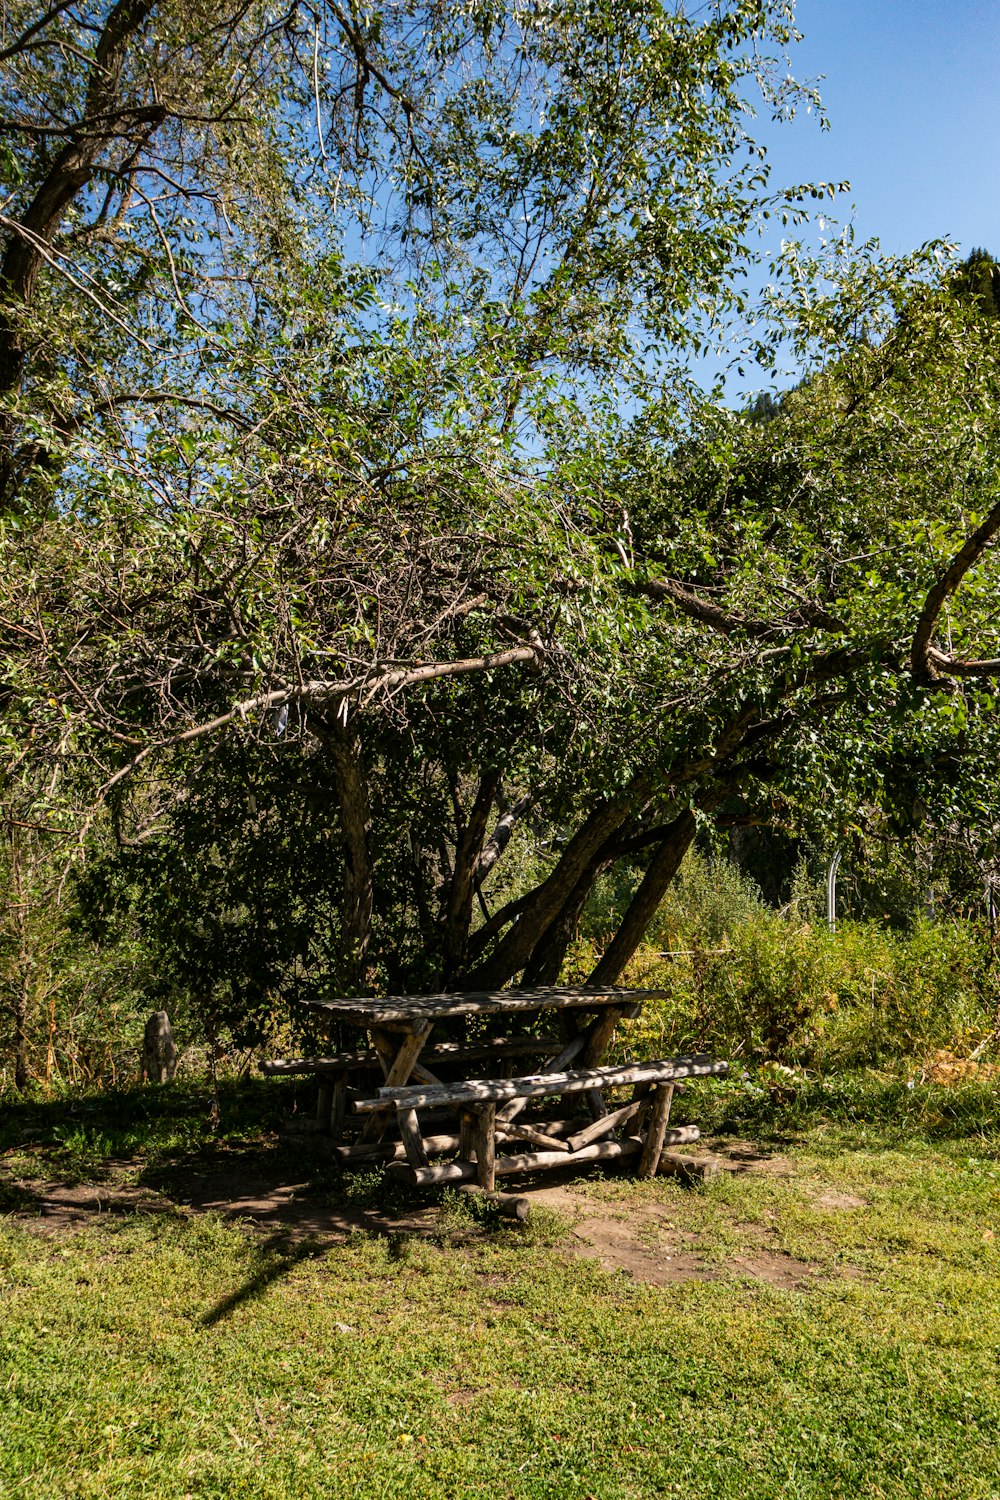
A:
(177, 169)
(402, 588)
(741, 627)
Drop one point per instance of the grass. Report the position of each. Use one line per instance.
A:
(173, 1354)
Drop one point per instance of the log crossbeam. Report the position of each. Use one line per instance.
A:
(535, 1086)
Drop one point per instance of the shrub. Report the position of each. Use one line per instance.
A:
(744, 981)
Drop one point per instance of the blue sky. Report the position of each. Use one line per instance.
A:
(912, 89)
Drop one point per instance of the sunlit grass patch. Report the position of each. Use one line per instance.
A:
(174, 1355)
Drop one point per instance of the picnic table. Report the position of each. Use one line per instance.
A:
(432, 1078)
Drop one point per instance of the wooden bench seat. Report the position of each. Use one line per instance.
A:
(535, 1085)
(443, 1052)
(484, 1125)
(333, 1071)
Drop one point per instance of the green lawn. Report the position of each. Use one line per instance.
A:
(171, 1354)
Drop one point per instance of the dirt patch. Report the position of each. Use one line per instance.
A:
(840, 1202)
(51, 1208)
(640, 1239)
(272, 1195)
(462, 1398)
(776, 1269)
(747, 1156)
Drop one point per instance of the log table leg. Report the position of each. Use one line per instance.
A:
(324, 1103)
(486, 1149)
(413, 1141)
(467, 1135)
(656, 1130)
(573, 1047)
(338, 1106)
(399, 1073)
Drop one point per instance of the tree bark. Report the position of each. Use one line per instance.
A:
(652, 888)
(925, 664)
(68, 175)
(515, 948)
(461, 890)
(501, 836)
(549, 953)
(21, 1036)
(344, 746)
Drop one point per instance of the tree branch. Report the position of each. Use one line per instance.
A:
(323, 694)
(923, 665)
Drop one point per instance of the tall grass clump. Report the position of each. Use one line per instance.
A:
(745, 981)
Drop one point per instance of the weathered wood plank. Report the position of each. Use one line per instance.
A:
(385, 1046)
(467, 1134)
(324, 1100)
(536, 1085)
(338, 1105)
(519, 1131)
(386, 1151)
(532, 1161)
(403, 1009)
(690, 1169)
(402, 1066)
(535, 1161)
(572, 1049)
(595, 1103)
(440, 1052)
(604, 1126)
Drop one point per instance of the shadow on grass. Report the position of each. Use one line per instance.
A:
(154, 1150)
(102, 1125)
(283, 1262)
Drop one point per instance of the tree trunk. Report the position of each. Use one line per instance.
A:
(344, 746)
(68, 174)
(501, 836)
(644, 904)
(21, 1036)
(461, 889)
(549, 954)
(515, 948)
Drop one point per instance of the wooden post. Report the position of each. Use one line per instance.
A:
(534, 1161)
(663, 1095)
(486, 1148)
(324, 1101)
(159, 1053)
(516, 1131)
(604, 1125)
(467, 1135)
(690, 1169)
(594, 1100)
(575, 1045)
(338, 1106)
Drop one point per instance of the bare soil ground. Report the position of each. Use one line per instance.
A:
(272, 1199)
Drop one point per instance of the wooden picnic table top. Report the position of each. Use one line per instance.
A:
(408, 1010)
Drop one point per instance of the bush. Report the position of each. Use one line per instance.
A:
(744, 981)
